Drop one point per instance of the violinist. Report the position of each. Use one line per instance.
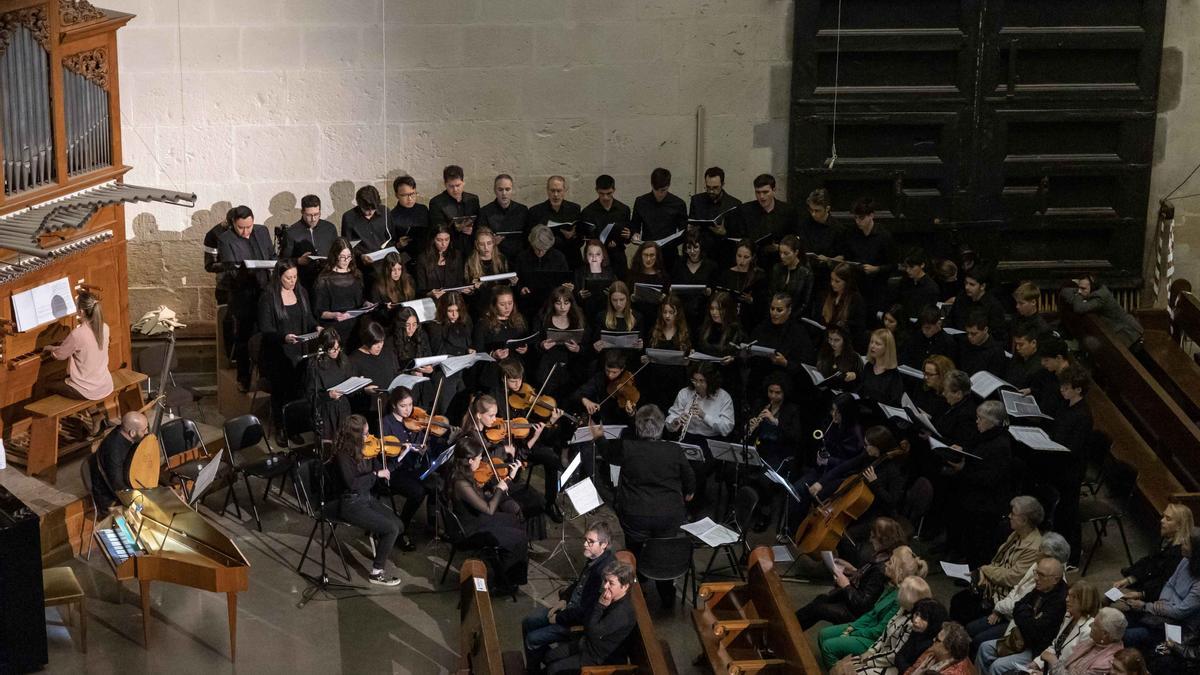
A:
(606, 395)
(411, 342)
(406, 469)
(502, 437)
(358, 506)
(329, 369)
(489, 511)
(546, 444)
(560, 313)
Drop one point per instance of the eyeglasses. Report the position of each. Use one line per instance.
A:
(406, 195)
(590, 542)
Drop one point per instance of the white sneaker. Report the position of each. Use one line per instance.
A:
(382, 579)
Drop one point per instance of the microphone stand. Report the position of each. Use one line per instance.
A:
(321, 583)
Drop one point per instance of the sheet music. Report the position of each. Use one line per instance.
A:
(604, 234)
(957, 570)
(583, 434)
(1036, 439)
(812, 322)
(1173, 633)
(688, 289)
(308, 336)
(553, 224)
(351, 385)
(259, 264)
(406, 380)
(43, 304)
(666, 357)
(425, 308)
(564, 336)
(953, 331)
(438, 462)
(781, 554)
(1018, 405)
(370, 306)
(430, 360)
(621, 340)
(376, 256)
(984, 384)
(738, 453)
(669, 238)
(497, 277)
(454, 364)
(911, 372)
(816, 376)
(917, 414)
(567, 472)
(934, 442)
(774, 477)
(894, 412)
(693, 453)
(583, 496)
(701, 356)
(204, 479)
(709, 532)
(614, 474)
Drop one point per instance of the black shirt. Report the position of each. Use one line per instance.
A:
(509, 222)
(655, 477)
(372, 234)
(299, 239)
(918, 348)
(821, 238)
(232, 250)
(755, 223)
(619, 216)
(412, 222)
(568, 212)
(443, 208)
(111, 468)
(656, 220)
(917, 295)
(988, 356)
(964, 307)
(872, 249)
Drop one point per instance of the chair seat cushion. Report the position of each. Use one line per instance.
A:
(59, 585)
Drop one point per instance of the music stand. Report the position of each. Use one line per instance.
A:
(205, 478)
(321, 583)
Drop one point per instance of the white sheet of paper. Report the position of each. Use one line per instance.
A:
(935, 443)
(362, 310)
(957, 570)
(621, 341)
(406, 380)
(614, 474)
(604, 234)
(953, 331)
(584, 435)
(701, 356)
(897, 413)
(376, 256)
(584, 497)
(1036, 439)
(812, 322)
(498, 277)
(1114, 594)
(425, 308)
(1174, 633)
(669, 238)
(259, 264)
(481, 584)
(827, 558)
(710, 532)
(553, 224)
(429, 360)
(205, 478)
(571, 466)
(43, 304)
(453, 364)
(308, 336)
(911, 372)
(984, 384)
(351, 385)
(666, 357)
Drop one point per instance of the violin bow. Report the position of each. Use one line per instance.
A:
(429, 421)
(625, 382)
(507, 409)
(542, 389)
(483, 443)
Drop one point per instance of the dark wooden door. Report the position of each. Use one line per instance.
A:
(1022, 127)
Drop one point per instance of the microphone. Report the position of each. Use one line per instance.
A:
(318, 352)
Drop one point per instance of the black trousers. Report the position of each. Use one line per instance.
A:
(244, 310)
(638, 529)
(415, 491)
(547, 458)
(366, 512)
(825, 607)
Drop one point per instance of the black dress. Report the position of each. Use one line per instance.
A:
(452, 340)
(754, 283)
(705, 274)
(338, 292)
(431, 276)
(278, 360)
(494, 518)
(323, 374)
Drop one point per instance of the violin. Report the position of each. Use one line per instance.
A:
(390, 446)
(497, 470)
(519, 428)
(624, 391)
(537, 406)
(420, 420)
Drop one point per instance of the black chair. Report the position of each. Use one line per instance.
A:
(244, 432)
(1098, 451)
(1120, 482)
(299, 425)
(179, 436)
(478, 544)
(667, 559)
(745, 501)
(151, 361)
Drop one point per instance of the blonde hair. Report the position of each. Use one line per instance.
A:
(912, 589)
(904, 564)
(610, 317)
(943, 364)
(888, 360)
(474, 267)
(93, 313)
(1088, 597)
(1182, 515)
(1027, 292)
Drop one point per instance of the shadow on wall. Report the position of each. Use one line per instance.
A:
(166, 267)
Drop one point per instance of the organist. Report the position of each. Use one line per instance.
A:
(86, 350)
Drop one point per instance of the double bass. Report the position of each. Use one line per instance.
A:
(827, 521)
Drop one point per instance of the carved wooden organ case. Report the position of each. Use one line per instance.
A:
(61, 210)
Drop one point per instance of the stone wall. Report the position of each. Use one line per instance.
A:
(1177, 141)
(263, 102)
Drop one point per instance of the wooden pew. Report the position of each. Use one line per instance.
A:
(1167, 429)
(648, 655)
(751, 627)
(479, 645)
(42, 454)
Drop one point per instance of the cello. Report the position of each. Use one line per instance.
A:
(827, 521)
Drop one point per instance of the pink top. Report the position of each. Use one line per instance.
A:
(87, 370)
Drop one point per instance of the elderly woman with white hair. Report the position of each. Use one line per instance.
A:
(993, 581)
(980, 488)
(880, 658)
(992, 626)
(1094, 654)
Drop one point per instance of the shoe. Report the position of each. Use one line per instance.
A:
(405, 543)
(554, 512)
(382, 579)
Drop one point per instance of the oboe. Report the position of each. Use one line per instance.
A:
(687, 416)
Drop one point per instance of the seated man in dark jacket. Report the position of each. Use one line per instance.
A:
(553, 624)
(1037, 616)
(980, 351)
(110, 468)
(606, 630)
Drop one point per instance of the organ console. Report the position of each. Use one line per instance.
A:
(158, 537)
(61, 209)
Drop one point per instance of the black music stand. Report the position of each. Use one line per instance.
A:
(320, 583)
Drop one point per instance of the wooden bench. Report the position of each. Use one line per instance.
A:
(47, 414)
(479, 650)
(751, 627)
(1157, 417)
